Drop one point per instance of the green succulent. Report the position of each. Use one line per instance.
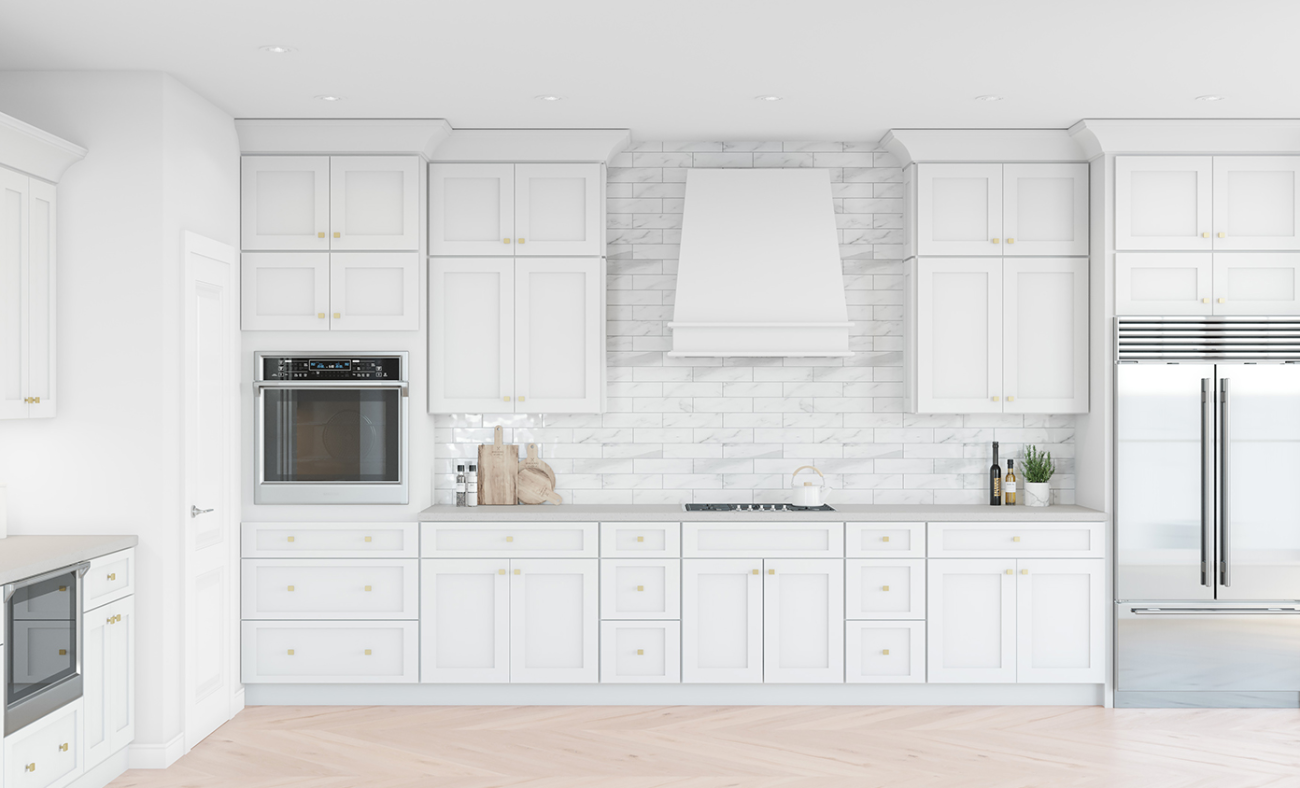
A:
(1037, 466)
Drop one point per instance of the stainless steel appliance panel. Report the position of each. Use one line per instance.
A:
(42, 654)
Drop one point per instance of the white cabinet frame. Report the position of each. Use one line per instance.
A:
(915, 588)
(280, 319)
(591, 351)
(1017, 245)
(611, 655)
(932, 326)
(342, 317)
(610, 582)
(1030, 575)
(498, 569)
(854, 658)
(700, 666)
(446, 328)
(1228, 236)
(776, 575)
(527, 242)
(523, 626)
(502, 243)
(942, 625)
(318, 237)
(1276, 274)
(344, 239)
(1198, 235)
(932, 203)
(1014, 334)
(1146, 283)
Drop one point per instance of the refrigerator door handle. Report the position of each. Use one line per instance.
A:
(1225, 485)
(1207, 481)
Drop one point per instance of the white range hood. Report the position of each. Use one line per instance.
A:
(760, 271)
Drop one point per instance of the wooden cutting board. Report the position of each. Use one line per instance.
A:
(498, 465)
(533, 461)
(533, 486)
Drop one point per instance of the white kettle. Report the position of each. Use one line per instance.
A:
(809, 494)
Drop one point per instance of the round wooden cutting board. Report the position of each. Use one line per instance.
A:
(532, 485)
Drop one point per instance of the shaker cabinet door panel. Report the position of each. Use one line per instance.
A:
(1256, 202)
(285, 291)
(1061, 620)
(472, 209)
(558, 209)
(959, 335)
(375, 203)
(803, 620)
(1261, 283)
(722, 620)
(1045, 335)
(554, 620)
(15, 202)
(1163, 203)
(374, 291)
(971, 629)
(558, 353)
(465, 620)
(884, 588)
(471, 335)
(39, 313)
(1163, 283)
(285, 203)
(1045, 209)
(959, 209)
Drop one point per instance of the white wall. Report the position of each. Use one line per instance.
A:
(161, 160)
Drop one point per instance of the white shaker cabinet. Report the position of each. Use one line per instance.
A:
(1163, 283)
(722, 620)
(350, 291)
(471, 335)
(108, 665)
(959, 209)
(47, 753)
(958, 313)
(285, 292)
(471, 209)
(1256, 203)
(285, 203)
(27, 296)
(803, 620)
(465, 626)
(971, 629)
(1256, 283)
(1045, 209)
(884, 652)
(374, 291)
(554, 620)
(1163, 203)
(1061, 620)
(1045, 335)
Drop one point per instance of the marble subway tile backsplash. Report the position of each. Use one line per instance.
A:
(733, 430)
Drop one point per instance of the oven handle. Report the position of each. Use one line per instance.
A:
(12, 588)
(258, 385)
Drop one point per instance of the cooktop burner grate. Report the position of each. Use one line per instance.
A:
(754, 507)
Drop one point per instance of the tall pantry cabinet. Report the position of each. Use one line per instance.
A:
(516, 288)
(996, 303)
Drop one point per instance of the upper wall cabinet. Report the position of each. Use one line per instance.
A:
(1002, 209)
(516, 209)
(319, 203)
(1200, 203)
(1223, 283)
(27, 276)
(346, 291)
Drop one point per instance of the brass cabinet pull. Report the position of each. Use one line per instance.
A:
(885, 652)
(884, 588)
(31, 767)
(884, 538)
(337, 315)
(63, 588)
(1015, 538)
(521, 399)
(771, 571)
(109, 621)
(755, 571)
(338, 235)
(367, 538)
(1011, 399)
(112, 575)
(367, 588)
(290, 588)
(510, 538)
(640, 652)
(517, 571)
(1223, 235)
(291, 539)
(36, 400)
(501, 571)
(1223, 300)
(995, 240)
(640, 588)
(1024, 571)
(1205, 300)
(117, 618)
(1011, 240)
(640, 538)
(521, 240)
(507, 399)
(367, 652)
(320, 235)
(291, 652)
(995, 399)
(1009, 571)
(63, 652)
(505, 240)
(63, 747)
(1205, 235)
(320, 315)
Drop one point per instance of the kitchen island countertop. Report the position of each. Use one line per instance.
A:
(28, 556)
(675, 513)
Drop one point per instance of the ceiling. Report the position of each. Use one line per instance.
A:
(690, 69)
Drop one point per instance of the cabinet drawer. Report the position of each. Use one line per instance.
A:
(317, 652)
(330, 540)
(640, 588)
(47, 753)
(763, 540)
(109, 578)
(646, 540)
(524, 540)
(325, 589)
(884, 540)
(640, 652)
(884, 652)
(1034, 540)
(884, 588)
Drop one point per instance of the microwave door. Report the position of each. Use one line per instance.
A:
(1259, 477)
(1164, 481)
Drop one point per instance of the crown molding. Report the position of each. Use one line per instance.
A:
(1000, 145)
(341, 136)
(539, 145)
(25, 147)
(1206, 135)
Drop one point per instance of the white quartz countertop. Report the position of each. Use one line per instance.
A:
(28, 556)
(675, 513)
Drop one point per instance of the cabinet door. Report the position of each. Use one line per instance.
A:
(14, 293)
(472, 209)
(884, 652)
(40, 301)
(1256, 202)
(959, 209)
(375, 203)
(285, 203)
(722, 620)
(94, 683)
(884, 588)
(959, 336)
(465, 623)
(47, 753)
(374, 291)
(640, 652)
(1256, 284)
(1045, 209)
(803, 620)
(640, 588)
(1162, 202)
(558, 353)
(119, 680)
(1061, 620)
(1168, 283)
(554, 620)
(558, 209)
(471, 335)
(285, 292)
(971, 629)
(1045, 335)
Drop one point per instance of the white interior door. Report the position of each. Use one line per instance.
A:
(959, 209)
(285, 203)
(722, 620)
(465, 626)
(374, 291)
(1045, 335)
(14, 229)
(375, 203)
(1061, 620)
(1256, 202)
(554, 620)
(1045, 209)
(210, 515)
(971, 629)
(558, 353)
(1163, 203)
(803, 620)
(1262, 283)
(1163, 283)
(285, 291)
(471, 335)
(558, 209)
(472, 209)
(959, 335)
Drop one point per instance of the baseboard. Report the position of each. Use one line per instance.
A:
(104, 772)
(237, 702)
(674, 694)
(157, 756)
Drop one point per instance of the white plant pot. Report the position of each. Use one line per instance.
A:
(1038, 494)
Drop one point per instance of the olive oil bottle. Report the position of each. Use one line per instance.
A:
(995, 479)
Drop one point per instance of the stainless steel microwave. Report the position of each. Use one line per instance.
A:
(331, 428)
(42, 665)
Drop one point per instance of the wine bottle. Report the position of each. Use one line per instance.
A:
(1009, 486)
(995, 480)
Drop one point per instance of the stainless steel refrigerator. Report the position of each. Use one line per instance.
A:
(1207, 515)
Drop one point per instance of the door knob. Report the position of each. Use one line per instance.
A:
(196, 511)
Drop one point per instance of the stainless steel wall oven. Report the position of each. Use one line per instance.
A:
(42, 665)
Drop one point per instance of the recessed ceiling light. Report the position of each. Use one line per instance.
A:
(278, 50)
(330, 98)
(550, 98)
(1210, 98)
(989, 97)
(767, 98)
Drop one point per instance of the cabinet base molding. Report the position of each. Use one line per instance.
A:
(155, 756)
(676, 695)
(105, 772)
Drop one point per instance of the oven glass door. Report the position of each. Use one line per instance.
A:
(331, 435)
(42, 636)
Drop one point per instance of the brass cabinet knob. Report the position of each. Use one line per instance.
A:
(1009, 572)
(1011, 240)
(112, 575)
(640, 588)
(640, 652)
(995, 399)
(291, 652)
(505, 240)
(640, 538)
(117, 618)
(36, 400)
(884, 651)
(1011, 399)
(63, 747)
(521, 399)
(884, 538)
(320, 315)
(1015, 538)
(320, 235)
(884, 588)
(507, 399)
(109, 621)
(521, 240)
(337, 315)
(63, 588)
(1223, 300)
(771, 571)
(1024, 571)
(368, 539)
(291, 539)
(290, 588)
(517, 571)
(367, 652)
(31, 767)
(1205, 235)
(367, 588)
(338, 235)
(995, 240)
(501, 571)
(1223, 235)
(755, 571)
(1205, 300)
(63, 652)
(510, 538)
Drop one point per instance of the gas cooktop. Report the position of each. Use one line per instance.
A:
(754, 507)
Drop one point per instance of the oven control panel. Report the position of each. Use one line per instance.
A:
(331, 368)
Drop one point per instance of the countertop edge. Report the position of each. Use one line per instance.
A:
(28, 556)
(850, 514)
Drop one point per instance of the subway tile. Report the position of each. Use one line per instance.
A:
(752, 420)
(693, 420)
(692, 146)
(693, 481)
(659, 190)
(784, 160)
(733, 465)
(724, 435)
(753, 481)
(825, 389)
(815, 147)
(739, 146)
(655, 221)
(693, 389)
(844, 159)
(715, 160)
(661, 159)
(692, 450)
(905, 497)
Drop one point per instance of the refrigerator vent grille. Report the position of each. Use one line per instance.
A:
(1202, 339)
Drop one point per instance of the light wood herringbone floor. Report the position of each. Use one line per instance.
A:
(759, 746)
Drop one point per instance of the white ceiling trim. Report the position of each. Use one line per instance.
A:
(36, 152)
(539, 145)
(1002, 145)
(1263, 136)
(341, 136)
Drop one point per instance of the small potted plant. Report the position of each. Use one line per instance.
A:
(1036, 470)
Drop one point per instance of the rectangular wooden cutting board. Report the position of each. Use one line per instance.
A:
(498, 464)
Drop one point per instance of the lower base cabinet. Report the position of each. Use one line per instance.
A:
(323, 652)
(108, 689)
(884, 652)
(47, 753)
(640, 652)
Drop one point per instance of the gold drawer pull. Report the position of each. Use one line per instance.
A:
(501, 571)
(63, 747)
(338, 235)
(884, 538)
(1011, 240)
(505, 240)
(337, 315)
(63, 588)
(521, 399)
(367, 588)
(995, 399)
(368, 539)
(996, 240)
(510, 538)
(755, 571)
(320, 315)
(1223, 300)
(1008, 571)
(31, 767)
(1015, 538)
(521, 240)
(640, 588)
(109, 621)
(1011, 399)
(290, 588)
(291, 652)
(771, 571)
(1205, 300)
(1205, 235)
(640, 652)
(507, 399)
(112, 575)
(640, 538)
(1223, 235)
(291, 538)
(63, 652)
(885, 652)
(1024, 571)
(517, 571)
(884, 588)
(367, 652)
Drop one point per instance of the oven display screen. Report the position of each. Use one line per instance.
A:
(334, 364)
